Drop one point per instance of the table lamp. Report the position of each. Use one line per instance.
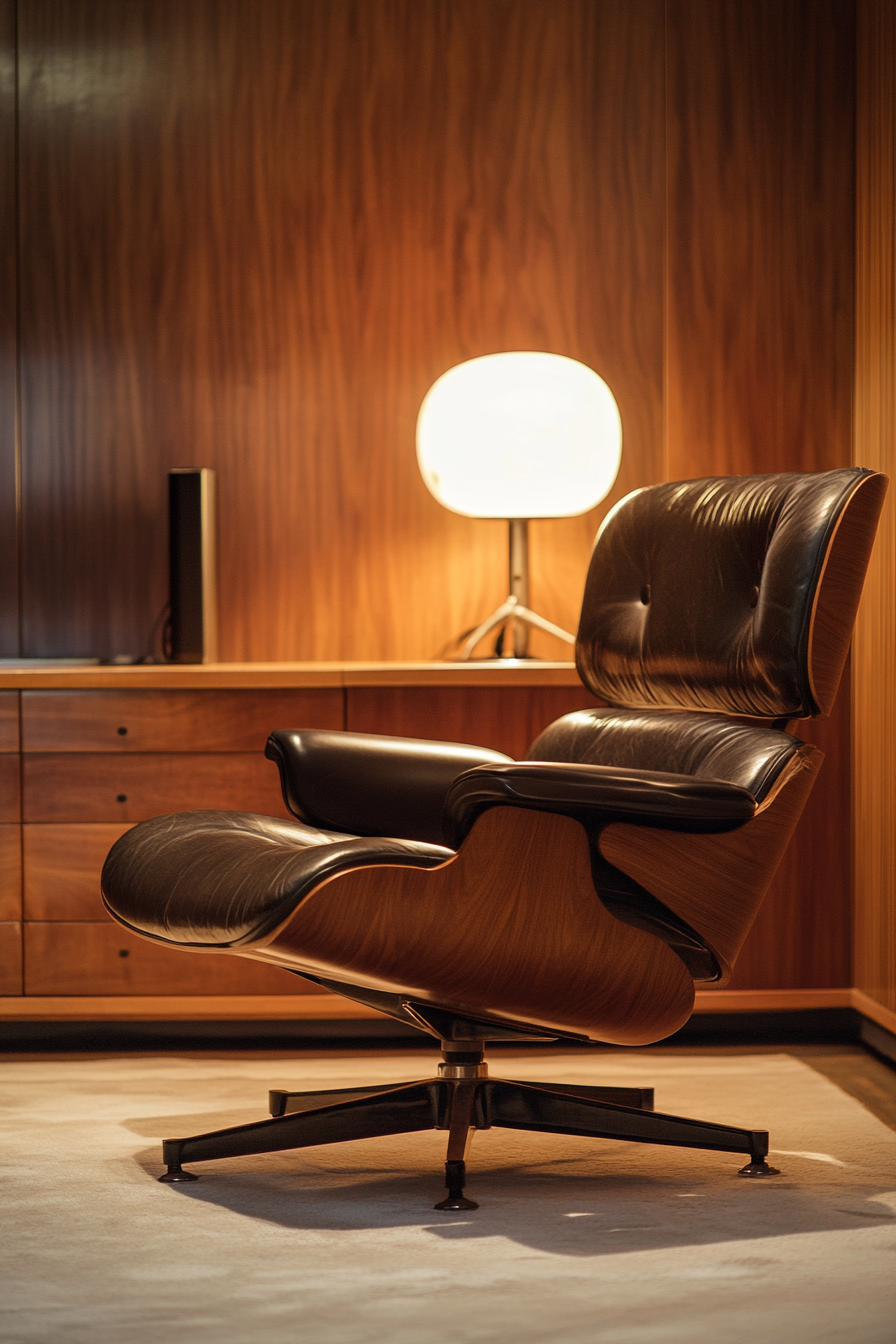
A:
(518, 435)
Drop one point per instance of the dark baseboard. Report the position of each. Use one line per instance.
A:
(225, 1035)
(797, 1026)
(807, 1026)
(878, 1039)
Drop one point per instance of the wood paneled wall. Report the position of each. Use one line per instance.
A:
(250, 236)
(9, 532)
(254, 235)
(759, 350)
(760, 96)
(874, 650)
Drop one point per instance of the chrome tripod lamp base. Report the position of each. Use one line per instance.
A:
(514, 616)
(518, 435)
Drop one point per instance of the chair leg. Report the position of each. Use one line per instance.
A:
(398, 1110)
(287, 1103)
(525, 1106)
(460, 1132)
(639, 1097)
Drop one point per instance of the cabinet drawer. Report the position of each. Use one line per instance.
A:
(10, 872)
(9, 720)
(62, 866)
(122, 789)
(10, 957)
(9, 788)
(130, 721)
(103, 958)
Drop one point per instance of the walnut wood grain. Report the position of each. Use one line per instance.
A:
(505, 719)
(61, 869)
(760, 100)
(10, 801)
(11, 958)
(802, 935)
(346, 200)
(113, 788)
(511, 925)
(9, 539)
(840, 588)
(201, 721)
(874, 649)
(10, 872)
(9, 721)
(714, 882)
(85, 958)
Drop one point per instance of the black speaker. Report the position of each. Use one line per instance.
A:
(192, 565)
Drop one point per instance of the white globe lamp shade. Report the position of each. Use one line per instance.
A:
(519, 435)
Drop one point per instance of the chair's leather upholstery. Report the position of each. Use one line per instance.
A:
(597, 795)
(700, 593)
(371, 785)
(218, 879)
(703, 746)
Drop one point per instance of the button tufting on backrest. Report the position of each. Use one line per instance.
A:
(708, 543)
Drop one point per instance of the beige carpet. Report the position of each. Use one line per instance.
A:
(576, 1239)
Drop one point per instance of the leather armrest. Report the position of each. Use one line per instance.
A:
(370, 785)
(597, 795)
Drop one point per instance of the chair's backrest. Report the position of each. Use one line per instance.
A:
(735, 594)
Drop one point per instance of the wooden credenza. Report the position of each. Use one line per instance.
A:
(86, 753)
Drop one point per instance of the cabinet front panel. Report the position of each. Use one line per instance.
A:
(10, 809)
(11, 957)
(121, 789)
(132, 721)
(506, 718)
(103, 958)
(62, 866)
(9, 720)
(10, 872)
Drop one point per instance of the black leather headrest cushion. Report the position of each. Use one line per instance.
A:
(700, 593)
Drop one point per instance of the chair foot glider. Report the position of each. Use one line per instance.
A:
(578, 895)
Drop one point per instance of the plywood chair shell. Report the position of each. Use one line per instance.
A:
(840, 588)
(716, 883)
(511, 926)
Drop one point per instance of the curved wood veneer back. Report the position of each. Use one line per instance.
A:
(716, 882)
(479, 933)
(840, 588)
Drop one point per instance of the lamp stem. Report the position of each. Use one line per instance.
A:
(519, 581)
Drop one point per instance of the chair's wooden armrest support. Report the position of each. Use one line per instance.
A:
(597, 795)
(716, 883)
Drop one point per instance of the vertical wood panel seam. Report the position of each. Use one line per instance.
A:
(17, 300)
(875, 416)
(664, 387)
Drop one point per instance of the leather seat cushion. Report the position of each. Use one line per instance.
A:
(218, 879)
(704, 746)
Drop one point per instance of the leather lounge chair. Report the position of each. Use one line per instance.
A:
(579, 894)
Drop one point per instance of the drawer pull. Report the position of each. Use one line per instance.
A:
(122, 798)
(122, 732)
(124, 951)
